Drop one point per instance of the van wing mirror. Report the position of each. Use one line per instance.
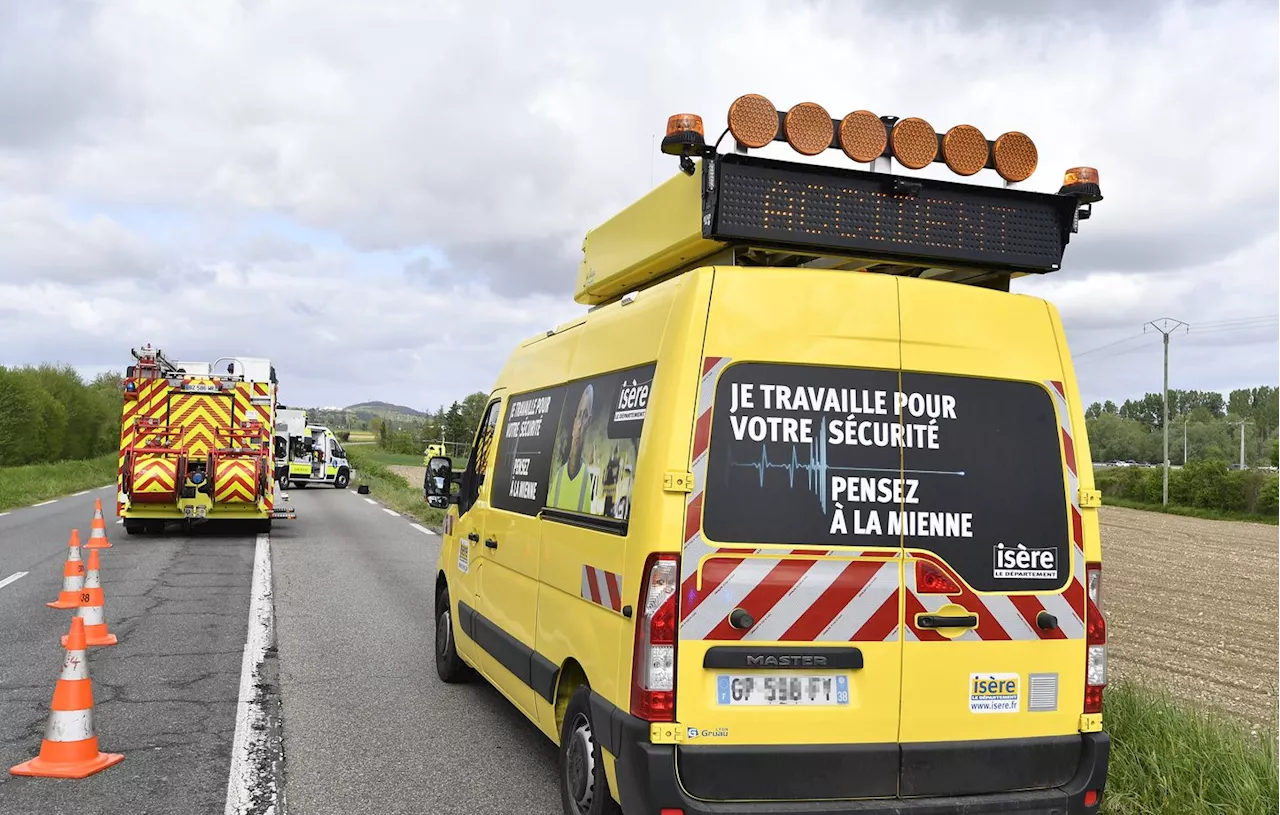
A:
(438, 483)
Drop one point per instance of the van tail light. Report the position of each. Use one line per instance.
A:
(653, 670)
(1095, 627)
(931, 579)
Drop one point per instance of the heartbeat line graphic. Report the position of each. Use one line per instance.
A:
(817, 468)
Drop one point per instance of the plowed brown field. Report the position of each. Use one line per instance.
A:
(1192, 605)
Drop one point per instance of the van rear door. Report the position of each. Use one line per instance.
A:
(994, 652)
(789, 652)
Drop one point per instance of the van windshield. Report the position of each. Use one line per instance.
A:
(967, 468)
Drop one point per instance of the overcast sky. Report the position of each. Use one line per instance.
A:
(384, 196)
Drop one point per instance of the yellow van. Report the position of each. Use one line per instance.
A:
(799, 517)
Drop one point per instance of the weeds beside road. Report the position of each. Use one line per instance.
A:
(372, 467)
(33, 483)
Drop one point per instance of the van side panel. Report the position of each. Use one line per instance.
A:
(589, 571)
(1000, 358)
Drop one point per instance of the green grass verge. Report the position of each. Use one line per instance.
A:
(33, 483)
(379, 456)
(1191, 512)
(1168, 758)
(390, 488)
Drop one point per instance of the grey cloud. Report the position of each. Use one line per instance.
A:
(52, 75)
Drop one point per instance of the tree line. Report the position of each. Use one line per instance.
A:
(1208, 420)
(50, 413)
(455, 426)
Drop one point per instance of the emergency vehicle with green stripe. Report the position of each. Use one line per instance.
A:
(195, 443)
(799, 516)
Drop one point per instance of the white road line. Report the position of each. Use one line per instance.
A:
(422, 529)
(45, 503)
(371, 501)
(243, 785)
(391, 512)
(119, 520)
(78, 494)
(11, 578)
(2, 514)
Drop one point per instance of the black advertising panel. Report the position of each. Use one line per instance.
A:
(526, 440)
(773, 472)
(876, 215)
(574, 447)
(999, 462)
(823, 456)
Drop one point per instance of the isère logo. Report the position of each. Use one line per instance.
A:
(1023, 563)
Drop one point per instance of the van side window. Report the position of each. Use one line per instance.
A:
(572, 448)
(478, 463)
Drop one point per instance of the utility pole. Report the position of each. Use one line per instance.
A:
(1241, 425)
(1184, 441)
(1166, 326)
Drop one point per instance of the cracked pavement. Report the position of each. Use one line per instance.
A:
(367, 726)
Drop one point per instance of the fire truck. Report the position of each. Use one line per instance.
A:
(195, 443)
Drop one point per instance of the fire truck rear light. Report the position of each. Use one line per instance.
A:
(1091, 798)
(753, 120)
(1015, 156)
(915, 144)
(808, 128)
(931, 579)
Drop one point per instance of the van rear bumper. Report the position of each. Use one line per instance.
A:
(648, 782)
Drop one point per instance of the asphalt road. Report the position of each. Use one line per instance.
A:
(367, 726)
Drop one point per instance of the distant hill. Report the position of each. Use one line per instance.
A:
(386, 410)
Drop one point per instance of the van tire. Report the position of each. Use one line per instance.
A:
(584, 788)
(342, 480)
(449, 666)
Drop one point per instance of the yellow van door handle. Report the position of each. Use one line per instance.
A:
(947, 621)
(474, 537)
(493, 544)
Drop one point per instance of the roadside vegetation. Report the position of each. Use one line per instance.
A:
(48, 413)
(1167, 758)
(1204, 489)
(390, 488)
(33, 483)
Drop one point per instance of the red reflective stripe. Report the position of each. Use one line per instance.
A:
(1077, 525)
(591, 585)
(1058, 387)
(1029, 606)
(1070, 451)
(832, 601)
(701, 434)
(882, 622)
(709, 363)
(693, 517)
(615, 594)
(764, 596)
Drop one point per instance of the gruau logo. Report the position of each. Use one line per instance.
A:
(1021, 563)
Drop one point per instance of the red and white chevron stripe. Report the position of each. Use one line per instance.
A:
(841, 595)
(604, 588)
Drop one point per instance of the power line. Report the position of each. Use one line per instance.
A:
(1236, 320)
(1108, 345)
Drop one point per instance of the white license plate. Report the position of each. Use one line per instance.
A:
(783, 689)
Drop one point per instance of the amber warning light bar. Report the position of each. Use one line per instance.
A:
(877, 214)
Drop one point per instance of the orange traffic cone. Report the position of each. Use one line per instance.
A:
(70, 748)
(91, 609)
(72, 576)
(98, 529)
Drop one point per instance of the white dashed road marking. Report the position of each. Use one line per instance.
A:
(45, 503)
(422, 529)
(82, 492)
(391, 512)
(371, 501)
(11, 578)
(2, 514)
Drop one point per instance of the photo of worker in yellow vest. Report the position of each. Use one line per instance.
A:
(597, 441)
(572, 486)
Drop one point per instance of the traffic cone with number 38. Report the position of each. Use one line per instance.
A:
(92, 603)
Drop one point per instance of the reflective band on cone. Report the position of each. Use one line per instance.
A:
(98, 530)
(92, 609)
(72, 576)
(70, 748)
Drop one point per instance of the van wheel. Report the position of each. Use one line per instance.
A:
(343, 479)
(584, 789)
(449, 665)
